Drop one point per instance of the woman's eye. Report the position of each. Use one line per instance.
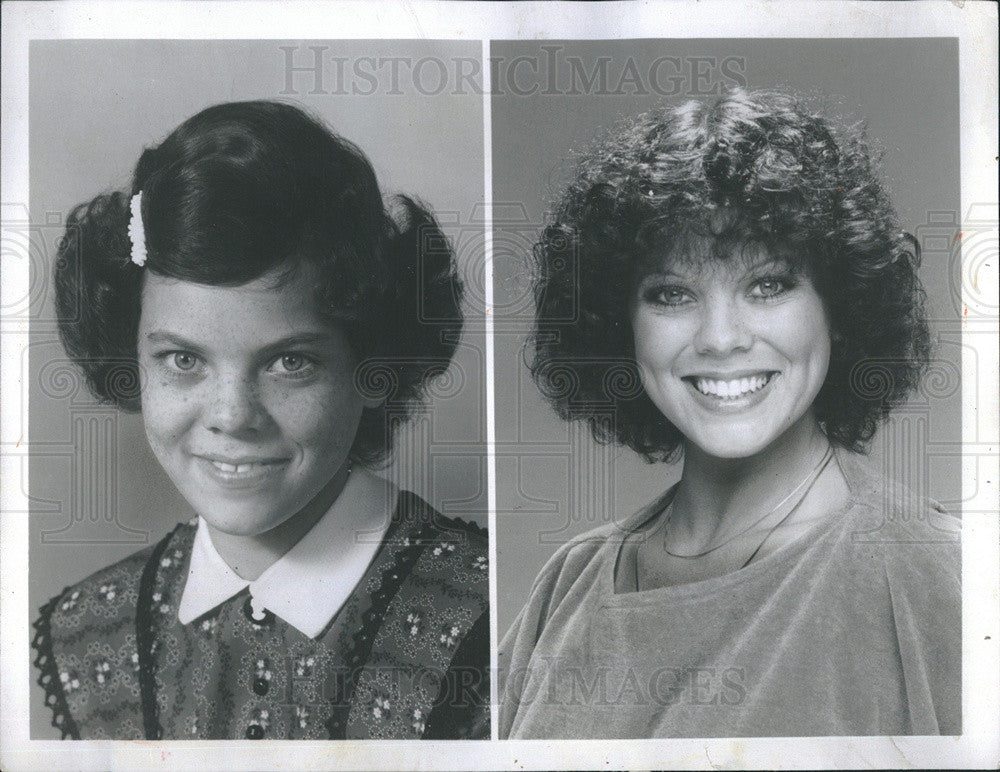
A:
(770, 287)
(667, 296)
(292, 364)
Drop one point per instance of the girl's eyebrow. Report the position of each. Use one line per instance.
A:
(158, 336)
(297, 339)
(288, 341)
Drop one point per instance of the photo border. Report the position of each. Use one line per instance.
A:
(973, 23)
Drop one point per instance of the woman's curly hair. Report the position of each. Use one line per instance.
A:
(243, 189)
(752, 168)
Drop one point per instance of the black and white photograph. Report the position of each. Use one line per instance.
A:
(251, 295)
(730, 302)
(455, 385)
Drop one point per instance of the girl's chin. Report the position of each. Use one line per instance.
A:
(249, 526)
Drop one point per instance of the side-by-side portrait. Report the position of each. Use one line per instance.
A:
(497, 390)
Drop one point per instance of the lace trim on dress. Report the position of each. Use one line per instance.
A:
(445, 523)
(145, 635)
(391, 580)
(48, 677)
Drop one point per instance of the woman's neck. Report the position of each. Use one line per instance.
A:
(719, 497)
(250, 556)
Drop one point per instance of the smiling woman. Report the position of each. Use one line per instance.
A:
(243, 281)
(744, 259)
(732, 352)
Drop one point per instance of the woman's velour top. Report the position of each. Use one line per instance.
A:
(853, 628)
(402, 653)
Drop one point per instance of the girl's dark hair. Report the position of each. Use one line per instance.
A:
(242, 189)
(752, 168)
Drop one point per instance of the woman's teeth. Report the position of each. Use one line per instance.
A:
(731, 389)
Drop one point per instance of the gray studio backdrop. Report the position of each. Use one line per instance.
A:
(551, 98)
(415, 107)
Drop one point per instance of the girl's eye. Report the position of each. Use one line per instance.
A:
(292, 364)
(183, 361)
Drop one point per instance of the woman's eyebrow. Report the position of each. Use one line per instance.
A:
(663, 273)
(770, 264)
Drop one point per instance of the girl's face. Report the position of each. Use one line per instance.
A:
(733, 352)
(248, 396)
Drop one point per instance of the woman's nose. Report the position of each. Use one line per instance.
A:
(722, 328)
(235, 407)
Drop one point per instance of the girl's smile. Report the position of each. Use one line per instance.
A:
(733, 352)
(248, 396)
(243, 474)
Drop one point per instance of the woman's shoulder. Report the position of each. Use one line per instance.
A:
(905, 565)
(602, 542)
(913, 533)
(572, 558)
(903, 510)
(585, 556)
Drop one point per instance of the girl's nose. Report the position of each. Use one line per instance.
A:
(722, 328)
(235, 407)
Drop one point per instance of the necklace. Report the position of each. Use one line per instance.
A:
(806, 483)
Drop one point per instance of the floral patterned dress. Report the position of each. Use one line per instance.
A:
(407, 656)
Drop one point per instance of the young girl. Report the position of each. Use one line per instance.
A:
(274, 315)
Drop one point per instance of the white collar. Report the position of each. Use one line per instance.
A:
(308, 585)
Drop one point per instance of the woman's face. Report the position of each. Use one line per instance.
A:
(733, 352)
(248, 396)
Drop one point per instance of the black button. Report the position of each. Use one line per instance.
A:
(265, 621)
(255, 732)
(260, 686)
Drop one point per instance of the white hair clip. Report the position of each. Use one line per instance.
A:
(136, 233)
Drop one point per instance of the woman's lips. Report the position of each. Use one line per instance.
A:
(731, 388)
(721, 394)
